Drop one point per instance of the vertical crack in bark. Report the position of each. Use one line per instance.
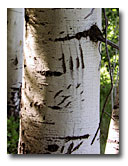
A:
(77, 62)
(71, 63)
(63, 61)
(81, 55)
(62, 149)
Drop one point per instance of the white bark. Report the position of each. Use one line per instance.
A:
(15, 18)
(112, 145)
(61, 86)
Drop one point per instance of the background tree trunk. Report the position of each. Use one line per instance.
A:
(15, 21)
(61, 83)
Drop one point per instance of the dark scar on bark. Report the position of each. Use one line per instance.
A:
(48, 123)
(15, 62)
(31, 104)
(22, 132)
(55, 107)
(69, 138)
(50, 73)
(52, 148)
(94, 34)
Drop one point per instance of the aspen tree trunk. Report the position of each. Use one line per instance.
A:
(15, 21)
(61, 85)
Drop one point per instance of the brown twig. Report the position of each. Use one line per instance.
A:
(109, 115)
(110, 43)
(109, 63)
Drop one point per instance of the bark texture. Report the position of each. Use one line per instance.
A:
(15, 22)
(112, 145)
(60, 95)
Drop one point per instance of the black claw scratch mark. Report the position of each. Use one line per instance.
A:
(67, 104)
(69, 151)
(81, 55)
(61, 32)
(77, 147)
(63, 63)
(78, 85)
(62, 149)
(65, 97)
(47, 123)
(69, 86)
(77, 62)
(71, 148)
(58, 93)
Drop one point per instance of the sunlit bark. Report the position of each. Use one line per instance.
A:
(61, 83)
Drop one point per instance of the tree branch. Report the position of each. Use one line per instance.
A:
(110, 43)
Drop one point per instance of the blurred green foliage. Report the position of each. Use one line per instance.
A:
(105, 83)
(12, 135)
